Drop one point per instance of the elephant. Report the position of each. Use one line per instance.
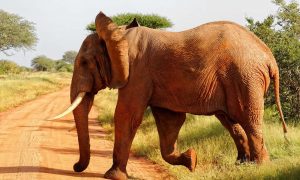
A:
(218, 68)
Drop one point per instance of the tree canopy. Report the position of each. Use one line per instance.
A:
(62, 66)
(69, 57)
(149, 20)
(42, 63)
(15, 32)
(281, 32)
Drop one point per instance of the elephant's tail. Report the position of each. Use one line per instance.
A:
(274, 72)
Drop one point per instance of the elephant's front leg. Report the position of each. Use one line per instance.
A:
(127, 119)
(168, 125)
(81, 120)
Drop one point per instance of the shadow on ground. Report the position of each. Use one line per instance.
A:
(98, 153)
(33, 169)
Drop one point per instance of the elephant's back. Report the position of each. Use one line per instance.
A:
(227, 36)
(213, 44)
(229, 44)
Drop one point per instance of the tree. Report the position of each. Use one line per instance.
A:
(62, 66)
(69, 57)
(15, 32)
(43, 63)
(149, 20)
(281, 32)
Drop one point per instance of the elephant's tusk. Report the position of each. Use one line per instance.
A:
(75, 103)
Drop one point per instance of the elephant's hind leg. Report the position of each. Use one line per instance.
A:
(239, 136)
(253, 128)
(251, 118)
(168, 125)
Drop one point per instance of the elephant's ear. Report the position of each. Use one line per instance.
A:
(117, 48)
(134, 23)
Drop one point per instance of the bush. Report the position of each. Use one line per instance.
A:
(25, 69)
(62, 66)
(9, 67)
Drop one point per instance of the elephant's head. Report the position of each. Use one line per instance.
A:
(102, 61)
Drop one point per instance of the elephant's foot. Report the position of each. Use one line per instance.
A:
(79, 167)
(189, 159)
(115, 173)
(261, 157)
(242, 158)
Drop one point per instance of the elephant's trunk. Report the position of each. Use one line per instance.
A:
(81, 120)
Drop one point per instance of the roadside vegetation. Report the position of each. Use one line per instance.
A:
(215, 148)
(24, 86)
(20, 84)
(10, 67)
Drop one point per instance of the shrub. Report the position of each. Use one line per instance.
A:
(9, 67)
(62, 66)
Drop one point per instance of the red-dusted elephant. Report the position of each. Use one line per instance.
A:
(218, 68)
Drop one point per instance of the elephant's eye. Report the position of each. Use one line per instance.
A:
(83, 62)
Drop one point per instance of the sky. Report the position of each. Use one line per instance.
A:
(60, 24)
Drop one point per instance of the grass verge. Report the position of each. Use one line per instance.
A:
(215, 148)
(19, 88)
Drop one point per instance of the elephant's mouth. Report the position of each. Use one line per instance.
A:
(75, 103)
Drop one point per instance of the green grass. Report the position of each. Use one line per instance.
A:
(215, 148)
(105, 101)
(19, 88)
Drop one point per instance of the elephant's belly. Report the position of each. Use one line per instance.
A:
(189, 101)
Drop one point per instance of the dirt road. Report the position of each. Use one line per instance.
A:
(34, 148)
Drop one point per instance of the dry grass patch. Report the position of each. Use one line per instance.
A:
(19, 88)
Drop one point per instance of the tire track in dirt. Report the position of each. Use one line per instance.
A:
(34, 148)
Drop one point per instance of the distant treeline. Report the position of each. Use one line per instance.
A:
(41, 63)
